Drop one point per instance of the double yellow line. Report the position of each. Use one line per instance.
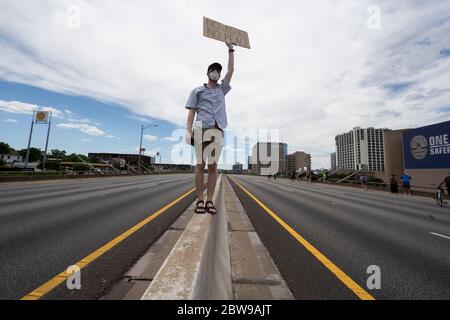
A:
(341, 275)
(60, 278)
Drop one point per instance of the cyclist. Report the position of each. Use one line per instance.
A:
(447, 183)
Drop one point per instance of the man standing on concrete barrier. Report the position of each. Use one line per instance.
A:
(208, 102)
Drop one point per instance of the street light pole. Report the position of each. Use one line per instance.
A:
(140, 144)
(140, 150)
(46, 143)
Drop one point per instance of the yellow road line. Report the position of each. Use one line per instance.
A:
(52, 283)
(345, 279)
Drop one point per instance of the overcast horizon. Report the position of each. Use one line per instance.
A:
(316, 69)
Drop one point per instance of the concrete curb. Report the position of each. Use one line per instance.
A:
(198, 267)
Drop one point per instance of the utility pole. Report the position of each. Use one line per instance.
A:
(140, 150)
(29, 140)
(140, 144)
(46, 143)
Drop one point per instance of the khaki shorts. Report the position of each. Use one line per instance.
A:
(208, 144)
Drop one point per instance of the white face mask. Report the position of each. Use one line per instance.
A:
(214, 75)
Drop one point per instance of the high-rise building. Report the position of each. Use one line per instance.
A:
(249, 163)
(333, 161)
(262, 158)
(361, 147)
(298, 161)
(238, 167)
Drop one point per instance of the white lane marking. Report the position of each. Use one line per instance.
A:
(287, 189)
(148, 186)
(440, 235)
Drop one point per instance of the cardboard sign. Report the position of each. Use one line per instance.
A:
(218, 31)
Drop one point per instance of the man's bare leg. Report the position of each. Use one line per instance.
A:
(199, 180)
(212, 179)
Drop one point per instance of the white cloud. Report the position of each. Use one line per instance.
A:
(86, 140)
(110, 136)
(18, 107)
(172, 139)
(82, 121)
(314, 69)
(11, 120)
(149, 137)
(70, 113)
(85, 128)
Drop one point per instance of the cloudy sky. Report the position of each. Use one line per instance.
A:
(316, 69)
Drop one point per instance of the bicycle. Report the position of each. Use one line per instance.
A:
(439, 195)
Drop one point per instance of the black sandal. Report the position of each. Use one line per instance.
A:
(210, 208)
(200, 209)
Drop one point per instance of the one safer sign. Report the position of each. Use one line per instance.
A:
(218, 31)
(427, 147)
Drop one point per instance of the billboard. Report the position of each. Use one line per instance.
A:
(427, 147)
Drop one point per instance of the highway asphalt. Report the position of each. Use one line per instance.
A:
(407, 237)
(47, 226)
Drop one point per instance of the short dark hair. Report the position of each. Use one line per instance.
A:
(215, 66)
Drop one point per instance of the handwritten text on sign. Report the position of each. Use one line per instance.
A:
(218, 31)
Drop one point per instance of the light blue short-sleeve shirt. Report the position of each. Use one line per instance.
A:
(210, 105)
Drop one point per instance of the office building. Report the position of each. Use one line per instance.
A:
(269, 158)
(333, 162)
(298, 161)
(238, 167)
(361, 148)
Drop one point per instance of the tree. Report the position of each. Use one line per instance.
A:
(2, 163)
(58, 154)
(5, 148)
(54, 165)
(35, 154)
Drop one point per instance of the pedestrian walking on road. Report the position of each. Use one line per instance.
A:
(311, 177)
(406, 183)
(394, 184)
(207, 103)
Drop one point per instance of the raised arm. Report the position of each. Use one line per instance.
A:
(230, 70)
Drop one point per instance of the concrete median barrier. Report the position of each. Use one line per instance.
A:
(198, 267)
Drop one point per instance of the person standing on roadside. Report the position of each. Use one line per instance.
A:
(394, 184)
(364, 180)
(406, 183)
